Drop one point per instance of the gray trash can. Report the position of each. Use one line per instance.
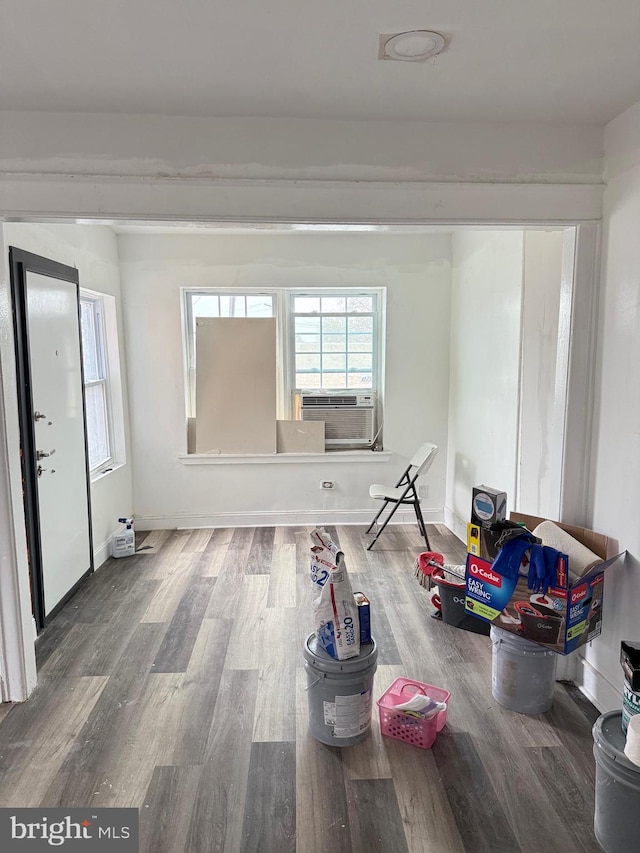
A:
(340, 693)
(617, 812)
(523, 673)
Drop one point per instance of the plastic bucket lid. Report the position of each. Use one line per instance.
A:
(608, 749)
(518, 645)
(320, 660)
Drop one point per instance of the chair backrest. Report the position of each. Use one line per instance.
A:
(423, 458)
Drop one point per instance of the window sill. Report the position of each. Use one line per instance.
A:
(100, 475)
(284, 458)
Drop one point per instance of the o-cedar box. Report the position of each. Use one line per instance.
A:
(567, 617)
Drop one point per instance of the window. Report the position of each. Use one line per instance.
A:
(209, 303)
(328, 340)
(95, 381)
(334, 341)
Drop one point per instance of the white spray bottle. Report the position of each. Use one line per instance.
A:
(123, 542)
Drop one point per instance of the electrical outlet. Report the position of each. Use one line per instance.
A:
(326, 484)
(423, 490)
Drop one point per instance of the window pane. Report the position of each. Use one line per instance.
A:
(259, 306)
(360, 325)
(360, 343)
(359, 303)
(360, 334)
(334, 380)
(334, 343)
(334, 325)
(232, 305)
(334, 362)
(306, 305)
(360, 380)
(307, 343)
(89, 342)
(97, 430)
(308, 380)
(205, 305)
(307, 363)
(333, 304)
(359, 362)
(308, 325)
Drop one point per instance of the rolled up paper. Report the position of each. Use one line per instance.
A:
(581, 559)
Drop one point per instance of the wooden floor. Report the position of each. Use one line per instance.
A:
(173, 682)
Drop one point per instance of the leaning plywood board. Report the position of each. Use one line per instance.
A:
(236, 385)
(300, 436)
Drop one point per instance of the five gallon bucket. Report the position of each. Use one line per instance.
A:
(340, 693)
(617, 816)
(523, 674)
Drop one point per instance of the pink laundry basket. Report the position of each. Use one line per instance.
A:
(403, 726)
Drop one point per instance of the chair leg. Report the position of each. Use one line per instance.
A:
(396, 504)
(370, 528)
(421, 525)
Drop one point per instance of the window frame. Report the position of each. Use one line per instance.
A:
(96, 302)
(377, 296)
(283, 301)
(189, 337)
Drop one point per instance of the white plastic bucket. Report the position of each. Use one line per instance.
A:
(340, 693)
(617, 816)
(523, 673)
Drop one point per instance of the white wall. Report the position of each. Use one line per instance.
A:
(301, 149)
(93, 250)
(541, 419)
(416, 271)
(485, 367)
(180, 168)
(615, 492)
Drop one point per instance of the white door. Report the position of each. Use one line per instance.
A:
(55, 451)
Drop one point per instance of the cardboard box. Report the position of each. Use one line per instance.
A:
(569, 616)
(364, 616)
(485, 542)
(487, 506)
(630, 660)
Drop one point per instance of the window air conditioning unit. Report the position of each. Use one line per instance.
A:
(349, 418)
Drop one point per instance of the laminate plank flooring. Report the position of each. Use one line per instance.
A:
(259, 560)
(374, 816)
(270, 810)
(173, 682)
(183, 629)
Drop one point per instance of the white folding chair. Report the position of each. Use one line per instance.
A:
(404, 492)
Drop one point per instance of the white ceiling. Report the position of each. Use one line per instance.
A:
(505, 60)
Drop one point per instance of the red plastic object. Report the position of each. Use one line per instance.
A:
(403, 726)
(429, 561)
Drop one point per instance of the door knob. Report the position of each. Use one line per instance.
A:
(37, 416)
(41, 470)
(42, 454)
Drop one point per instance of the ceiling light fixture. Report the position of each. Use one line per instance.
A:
(413, 46)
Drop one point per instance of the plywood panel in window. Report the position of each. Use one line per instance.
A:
(300, 436)
(236, 385)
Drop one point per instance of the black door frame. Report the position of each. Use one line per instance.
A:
(21, 263)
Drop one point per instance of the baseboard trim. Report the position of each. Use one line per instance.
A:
(278, 519)
(100, 555)
(455, 524)
(598, 689)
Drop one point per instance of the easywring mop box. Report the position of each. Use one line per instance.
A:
(545, 584)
